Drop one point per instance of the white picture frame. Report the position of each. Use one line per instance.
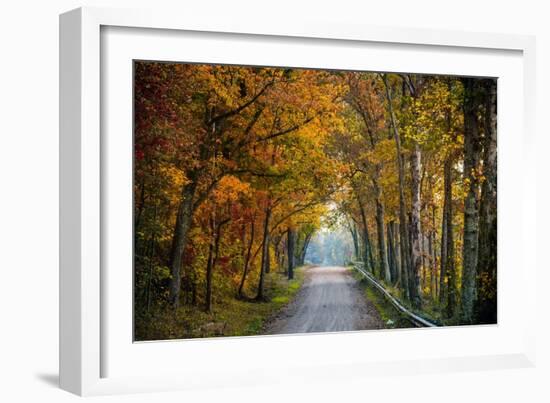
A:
(91, 361)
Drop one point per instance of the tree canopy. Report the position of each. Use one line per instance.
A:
(246, 173)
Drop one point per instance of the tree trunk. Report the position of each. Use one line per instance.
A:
(368, 259)
(141, 206)
(447, 292)
(397, 243)
(353, 231)
(405, 257)
(268, 255)
(472, 145)
(281, 258)
(179, 239)
(487, 257)
(433, 258)
(151, 259)
(210, 269)
(302, 254)
(423, 271)
(291, 241)
(416, 232)
(213, 253)
(389, 252)
(247, 258)
(265, 247)
(384, 268)
(450, 267)
(446, 217)
(276, 241)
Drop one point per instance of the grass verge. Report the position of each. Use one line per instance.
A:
(229, 317)
(390, 315)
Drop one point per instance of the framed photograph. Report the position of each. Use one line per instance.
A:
(321, 197)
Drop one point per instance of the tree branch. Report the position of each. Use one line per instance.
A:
(285, 131)
(239, 109)
(255, 173)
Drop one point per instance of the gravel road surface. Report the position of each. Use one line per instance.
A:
(330, 300)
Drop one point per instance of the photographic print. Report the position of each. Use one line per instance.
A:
(279, 200)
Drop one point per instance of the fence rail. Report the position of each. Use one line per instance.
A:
(414, 318)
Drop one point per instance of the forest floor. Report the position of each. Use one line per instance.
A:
(230, 316)
(390, 316)
(330, 300)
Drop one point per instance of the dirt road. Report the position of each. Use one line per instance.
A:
(330, 300)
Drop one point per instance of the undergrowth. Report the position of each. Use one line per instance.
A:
(230, 316)
(392, 317)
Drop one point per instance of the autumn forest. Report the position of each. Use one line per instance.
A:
(262, 194)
